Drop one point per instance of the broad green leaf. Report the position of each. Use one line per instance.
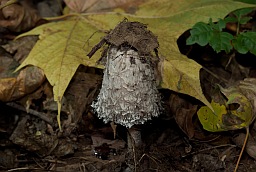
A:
(211, 34)
(63, 45)
(245, 20)
(245, 42)
(240, 13)
(221, 24)
(239, 16)
(221, 41)
(230, 19)
(201, 34)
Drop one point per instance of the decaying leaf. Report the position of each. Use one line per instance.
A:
(236, 113)
(18, 16)
(21, 47)
(210, 120)
(250, 146)
(16, 85)
(36, 138)
(63, 45)
(101, 5)
(183, 112)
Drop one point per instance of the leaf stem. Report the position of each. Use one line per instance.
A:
(62, 17)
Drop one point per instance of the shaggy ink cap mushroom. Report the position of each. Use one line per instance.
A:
(129, 94)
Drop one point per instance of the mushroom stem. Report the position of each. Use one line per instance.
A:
(134, 142)
(134, 137)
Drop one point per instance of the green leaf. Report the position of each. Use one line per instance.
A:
(245, 42)
(201, 33)
(221, 41)
(211, 33)
(221, 24)
(239, 16)
(245, 20)
(231, 19)
(241, 12)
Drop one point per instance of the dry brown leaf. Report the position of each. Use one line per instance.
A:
(16, 85)
(21, 47)
(101, 5)
(81, 92)
(18, 17)
(250, 146)
(183, 112)
(26, 82)
(184, 118)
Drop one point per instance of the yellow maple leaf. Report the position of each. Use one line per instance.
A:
(63, 45)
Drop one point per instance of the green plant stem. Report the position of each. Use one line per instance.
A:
(237, 28)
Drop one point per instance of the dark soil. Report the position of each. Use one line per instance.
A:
(91, 147)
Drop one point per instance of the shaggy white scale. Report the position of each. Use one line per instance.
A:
(129, 94)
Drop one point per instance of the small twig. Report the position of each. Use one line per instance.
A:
(206, 149)
(24, 168)
(229, 60)
(151, 157)
(215, 76)
(41, 115)
(96, 47)
(242, 150)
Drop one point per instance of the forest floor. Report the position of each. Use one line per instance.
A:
(30, 139)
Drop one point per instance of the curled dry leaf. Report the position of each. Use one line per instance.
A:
(16, 85)
(36, 139)
(79, 5)
(21, 47)
(18, 17)
(183, 113)
(27, 81)
(81, 92)
(248, 87)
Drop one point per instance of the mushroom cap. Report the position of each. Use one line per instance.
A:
(129, 93)
(134, 34)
